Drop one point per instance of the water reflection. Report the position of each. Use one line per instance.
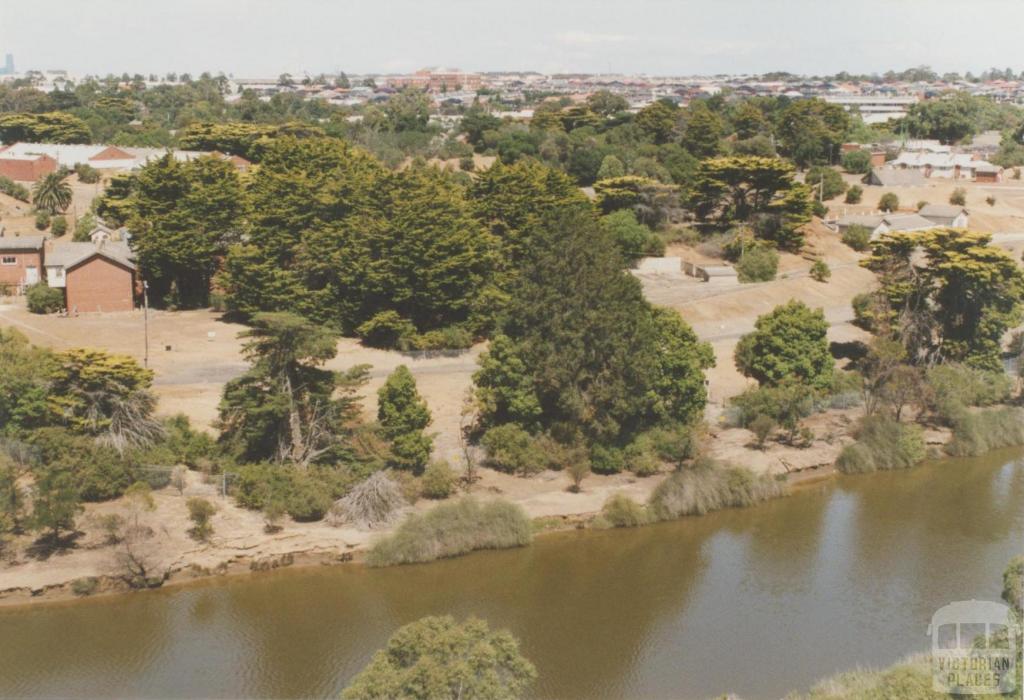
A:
(756, 602)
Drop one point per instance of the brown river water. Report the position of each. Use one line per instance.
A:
(757, 602)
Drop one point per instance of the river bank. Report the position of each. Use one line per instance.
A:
(241, 545)
(759, 602)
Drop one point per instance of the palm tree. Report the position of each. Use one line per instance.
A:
(51, 193)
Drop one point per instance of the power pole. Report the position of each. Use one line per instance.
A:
(145, 322)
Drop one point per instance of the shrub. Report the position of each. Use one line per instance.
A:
(952, 387)
(758, 264)
(857, 162)
(857, 237)
(273, 513)
(854, 194)
(711, 487)
(786, 404)
(307, 499)
(58, 226)
(87, 174)
(882, 444)
(448, 338)
(42, 299)
(386, 329)
(510, 448)
(84, 586)
(438, 480)
(820, 271)
(200, 511)
(833, 186)
(451, 529)
(990, 200)
(42, 220)
(958, 197)
(978, 432)
(908, 680)
(13, 189)
(762, 426)
(922, 204)
(889, 202)
(622, 511)
(641, 458)
(819, 209)
(436, 658)
(372, 503)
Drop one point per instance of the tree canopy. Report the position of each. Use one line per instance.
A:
(787, 344)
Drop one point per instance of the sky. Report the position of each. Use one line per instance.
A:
(263, 38)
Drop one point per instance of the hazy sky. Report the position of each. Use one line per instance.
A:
(265, 38)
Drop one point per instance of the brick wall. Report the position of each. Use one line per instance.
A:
(13, 275)
(99, 285)
(27, 170)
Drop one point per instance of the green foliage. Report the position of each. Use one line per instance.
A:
(958, 197)
(99, 472)
(788, 343)
(854, 194)
(438, 480)
(834, 185)
(510, 448)
(619, 510)
(858, 162)
(758, 263)
(55, 501)
(762, 426)
(752, 188)
(436, 658)
(45, 127)
(889, 202)
(286, 407)
(811, 131)
(42, 299)
(403, 416)
(882, 443)
(52, 193)
(820, 271)
(953, 387)
(451, 529)
(950, 118)
(24, 382)
(710, 487)
(85, 586)
(633, 239)
(87, 174)
(857, 237)
(651, 201)
(42, 220)
(58, 226)
(14, 189)
(702, 132)
(953, 304)
(183, 217)
(1013, 584)
(200, 511)
(386, 329)
(908, 680)
(611, 167)
(978, 432)
(582, 352)
(658, 120)
(787, 404)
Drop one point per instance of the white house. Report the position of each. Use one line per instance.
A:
(945, 215)
(879, 224)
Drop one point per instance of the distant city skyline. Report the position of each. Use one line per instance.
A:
(656, 37)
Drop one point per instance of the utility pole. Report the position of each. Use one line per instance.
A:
(145, 322)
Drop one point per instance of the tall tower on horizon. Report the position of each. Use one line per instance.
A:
(8, 64)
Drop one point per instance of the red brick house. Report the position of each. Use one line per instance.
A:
(26, 168)
(93, 277)
(21, 261)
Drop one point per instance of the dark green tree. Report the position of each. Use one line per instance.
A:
(788, 343)
(286, 406)
(436, 658)
(403, 416)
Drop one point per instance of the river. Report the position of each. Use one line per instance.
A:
(757, 602)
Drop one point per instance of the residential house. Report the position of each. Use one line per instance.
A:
(891, 177)
(21, 261)
(27, 167)
(950, 166)
(94, 277)
(879, 224)
(945, 215)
